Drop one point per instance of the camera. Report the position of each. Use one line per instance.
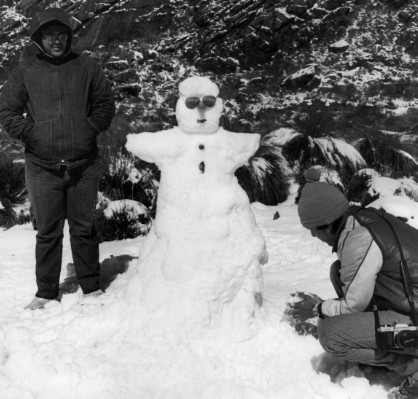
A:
(400, 336)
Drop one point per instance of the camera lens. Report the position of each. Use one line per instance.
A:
(407, 339)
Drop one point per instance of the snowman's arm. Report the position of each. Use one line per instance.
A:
(151, 147)
(245, 146)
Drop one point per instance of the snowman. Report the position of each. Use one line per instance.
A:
(199, 269)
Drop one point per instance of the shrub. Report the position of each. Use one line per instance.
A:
(8, 217)
(12, 180)
(315, 123)
(303, 151)
(126, 177)
(12, 189)
(367, 185)
(118, 169)
(358, 187)
(122, 219)
(265, 178)
(385, 153)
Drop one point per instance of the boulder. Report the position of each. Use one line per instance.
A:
(331, 5)
(218, 64)
(299, 7)
(339, 47)
(304, 78)
(131, 89)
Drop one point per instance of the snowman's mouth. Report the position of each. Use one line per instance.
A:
(201, 120)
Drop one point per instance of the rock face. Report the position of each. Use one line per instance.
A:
(360, 49)
(254, 31)
(218, 35)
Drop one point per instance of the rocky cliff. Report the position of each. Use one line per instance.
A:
(355, 60)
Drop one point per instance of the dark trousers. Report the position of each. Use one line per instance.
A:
(56, 195)
(353, 338)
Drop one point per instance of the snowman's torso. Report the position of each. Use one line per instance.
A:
(204, 245)
(198, 185)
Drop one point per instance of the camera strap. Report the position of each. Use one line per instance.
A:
(406, 280)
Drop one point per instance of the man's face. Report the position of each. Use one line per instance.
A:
(324, 234)
(54, 40)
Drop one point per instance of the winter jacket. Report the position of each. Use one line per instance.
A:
(57, 107)
(370, 263)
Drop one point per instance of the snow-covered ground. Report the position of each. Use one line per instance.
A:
(105, 348)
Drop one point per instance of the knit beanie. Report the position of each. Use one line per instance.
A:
(320, 204)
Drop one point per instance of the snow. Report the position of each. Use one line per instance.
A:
(340, 43)
(108, 350)
(400, 206)
(386, 186)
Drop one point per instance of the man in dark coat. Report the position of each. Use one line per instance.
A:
(57, 102)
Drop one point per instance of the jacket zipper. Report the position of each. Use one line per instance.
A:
(60, 117)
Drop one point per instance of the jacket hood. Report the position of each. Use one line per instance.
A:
(48, 17)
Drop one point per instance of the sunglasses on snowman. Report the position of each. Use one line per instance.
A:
(193, 102)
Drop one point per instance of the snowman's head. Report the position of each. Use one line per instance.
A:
(199, 108)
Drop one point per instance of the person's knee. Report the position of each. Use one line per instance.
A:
(331, 338)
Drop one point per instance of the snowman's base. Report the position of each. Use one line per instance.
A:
(187, 312)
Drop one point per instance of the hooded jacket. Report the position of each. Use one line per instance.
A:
(56, 106)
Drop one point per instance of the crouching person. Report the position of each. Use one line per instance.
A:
(376, 280)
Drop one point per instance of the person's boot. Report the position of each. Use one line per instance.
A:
(94, 298)
(408, 389)
(38, 303)
(94, 294)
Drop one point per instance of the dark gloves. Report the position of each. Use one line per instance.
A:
(300, 313)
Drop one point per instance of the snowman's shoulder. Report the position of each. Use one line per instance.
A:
(153, 146)
(248, 140)
(161, 133)
(161, 137)
(241, 136)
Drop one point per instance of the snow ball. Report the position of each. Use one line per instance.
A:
(202, 118)
(198, 86)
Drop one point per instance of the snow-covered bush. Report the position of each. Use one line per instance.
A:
(12, 189)
(385, 153)
(117, 172)
(265, 178)
(8, 217)
(357, 189)
(129, 178)
(121, 219)
(368, 185)
(303, 151)
(126, 177)
(142, 184)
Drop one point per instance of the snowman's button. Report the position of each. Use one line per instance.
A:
(201, 147)
(202, 167)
